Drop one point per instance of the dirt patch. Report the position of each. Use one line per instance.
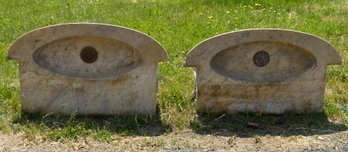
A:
(184, 141)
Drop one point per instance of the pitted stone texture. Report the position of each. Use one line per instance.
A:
(261, 70)
(88, 69)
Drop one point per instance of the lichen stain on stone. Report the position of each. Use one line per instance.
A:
(216, 105)
(131, 100)
(119, 81)
(241, 91)
(220, 97)
(305, 104)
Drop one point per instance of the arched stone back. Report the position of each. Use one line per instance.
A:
(88, 69)
(261, 70)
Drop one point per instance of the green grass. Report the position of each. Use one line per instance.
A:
(178, 25)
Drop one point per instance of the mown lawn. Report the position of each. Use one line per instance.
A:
(178, 25)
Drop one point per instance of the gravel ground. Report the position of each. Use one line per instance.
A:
(184, 141)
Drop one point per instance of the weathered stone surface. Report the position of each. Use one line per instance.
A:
(261, 70)
(88, 69)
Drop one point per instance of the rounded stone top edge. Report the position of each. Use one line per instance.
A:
(15, 49)
(199, 50)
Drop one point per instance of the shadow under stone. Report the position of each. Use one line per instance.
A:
(131, 124)
(252, 124)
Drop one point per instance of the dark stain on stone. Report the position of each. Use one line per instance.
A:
(307, 104)
(119, 81)
(243, 92)
(132, 99)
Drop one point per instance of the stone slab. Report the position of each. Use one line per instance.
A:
(88, 69)
(261, 70)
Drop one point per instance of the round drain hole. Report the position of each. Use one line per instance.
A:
(261, 58)
(89, 54)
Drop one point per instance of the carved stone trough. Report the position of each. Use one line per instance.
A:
(261, 70)
(88, 69)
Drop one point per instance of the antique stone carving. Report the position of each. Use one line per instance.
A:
(88, 69)
(261, 70)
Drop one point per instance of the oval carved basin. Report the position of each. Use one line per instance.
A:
(263, 62)
(87, 57)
